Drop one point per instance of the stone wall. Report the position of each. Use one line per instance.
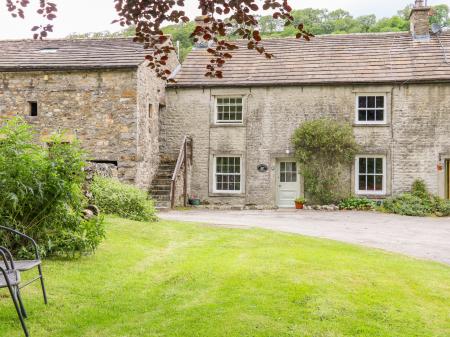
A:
(107, 110)
(414, 139)
(151, 96)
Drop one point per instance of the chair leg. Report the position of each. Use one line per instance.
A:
(42, 284)
(22, 307)
(19, 313)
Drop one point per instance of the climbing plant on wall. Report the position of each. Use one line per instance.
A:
(325, 150)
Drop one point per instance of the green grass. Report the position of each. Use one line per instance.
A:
(175, 279)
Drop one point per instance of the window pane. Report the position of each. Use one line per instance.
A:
(370, 165)
(379, 115)
(370, 183)
(379, 183)
(379, 166)
(294, 167)
(370, 115)
(371, 102)
(362, 182)
(219, 101)
(362, 115)
(282, 177)
(362, 165)
(362, 102)
(380, 101)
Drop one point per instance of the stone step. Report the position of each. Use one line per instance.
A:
(161, 198)
(164, 174)
(161, 181)
(167, 166)
(160, 187)
(159, 193)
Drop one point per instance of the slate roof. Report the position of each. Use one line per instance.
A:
(327, 59)
(23, 55)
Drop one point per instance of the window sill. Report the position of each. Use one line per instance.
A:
(227, 195)
(372, 195)
(369, 125)
(228, 125)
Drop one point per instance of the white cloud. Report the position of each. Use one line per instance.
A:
(96, 15)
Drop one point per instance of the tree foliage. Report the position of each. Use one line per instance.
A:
(324, 148)
(41, 193)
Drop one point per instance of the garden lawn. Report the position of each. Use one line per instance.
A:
(177, 279)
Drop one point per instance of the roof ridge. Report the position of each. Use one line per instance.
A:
(104, 38)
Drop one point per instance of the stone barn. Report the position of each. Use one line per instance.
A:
(98, 90)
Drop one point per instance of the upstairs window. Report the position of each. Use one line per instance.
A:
(229, 110)
(33, 106)
(371, 109)
(370, 175)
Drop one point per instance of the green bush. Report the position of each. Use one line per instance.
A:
(114, 197)
(360, 204)
(324, 148)
(407, 204)
(419, 189)
(417, 203)
(41, 194)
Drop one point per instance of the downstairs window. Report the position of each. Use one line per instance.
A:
(227, 174)
(370, 175)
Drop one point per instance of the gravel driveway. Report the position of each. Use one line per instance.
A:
(427, 238)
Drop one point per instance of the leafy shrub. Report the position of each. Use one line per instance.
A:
(418, 203)
(41, 194)
(114, 197)
(419, 189)
(407, 204)
(324, 149)
(354, 203)
(441, 206)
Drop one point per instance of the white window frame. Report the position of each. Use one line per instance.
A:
(366, 192)
(216, 112)
(384, 121)
(215, 190)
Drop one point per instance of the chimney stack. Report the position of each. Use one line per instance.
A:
(201, 42)
(420, 24)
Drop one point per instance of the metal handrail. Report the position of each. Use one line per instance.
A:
(182, 159)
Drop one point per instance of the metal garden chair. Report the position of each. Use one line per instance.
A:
(25, 265)
(10, 278)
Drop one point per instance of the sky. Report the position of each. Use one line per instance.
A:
(73, 16)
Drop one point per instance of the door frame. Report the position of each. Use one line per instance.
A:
(278, 160)
(447, 178)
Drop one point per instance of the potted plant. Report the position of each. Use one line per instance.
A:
(194, 200)
(300, 202)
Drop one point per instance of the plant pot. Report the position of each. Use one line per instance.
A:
(298, 205)
(194, 202)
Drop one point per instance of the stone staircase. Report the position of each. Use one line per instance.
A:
(160, 188)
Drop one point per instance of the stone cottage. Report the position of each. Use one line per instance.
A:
(393, 88)
(97, 90)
